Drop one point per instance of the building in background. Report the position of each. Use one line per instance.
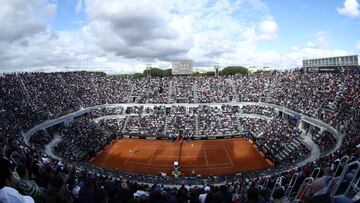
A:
(332, 64)
(183, 67)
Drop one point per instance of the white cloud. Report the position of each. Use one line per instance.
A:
(79, 6)
(358, 44)
(122, 36)
(135, 29)
(47, 49)
(350, 8)
(20, 18)
(319, 40)
(267, 30)
(268, 26)
(322, 38)
(312, 50)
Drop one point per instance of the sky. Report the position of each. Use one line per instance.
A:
(122, 36)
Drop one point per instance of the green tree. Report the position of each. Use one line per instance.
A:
(209, 73)
(232, 70)
(157, 72)
(196, 73)
(137, 75)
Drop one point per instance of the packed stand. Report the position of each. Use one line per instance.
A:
(145, 125)
(307, 93)
(281, 142)
(260, 110)
(40, 138)
(113, 89)
(325, 140)
(183, 89)
(82, 85)
(49, 178)
(151, 90)
(106, 111)
(83, 139)
(250, 88)
(49, 93)
(16, 111)
(179, 123)
(211, 90)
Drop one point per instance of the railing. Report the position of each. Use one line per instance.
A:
(337, 174)
(315, 173)
(277, 185)
(349, 179)
(291, 185)
(304, 189)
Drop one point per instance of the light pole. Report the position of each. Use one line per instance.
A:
(217, 67)
(148, 70)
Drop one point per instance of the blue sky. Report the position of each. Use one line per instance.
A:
(123, 36)
(299, 20)
(67, 18)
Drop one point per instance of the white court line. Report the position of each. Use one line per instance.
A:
(127, 159)
(186, 147)
(226, 165)
(177, 156)
(127, 162)
(189, 168)
(232, 164)
(147, 166)
(207, 162)
(152, 156)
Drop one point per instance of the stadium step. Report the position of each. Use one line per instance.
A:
(296, 142)
(291, 147)
(125, 124)
(282, 155)
(96, 90)
(194, 90)
(233, 86)
(300, 139)
(129, 100)
(170, 90)
(26, 92)
(285, 152)
(287, 149)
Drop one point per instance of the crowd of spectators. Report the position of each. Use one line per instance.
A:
(113, 89)
(29, 98)
(281, 141)
(182, 89)
(277, 138)
(81, 85)
(224, 121)
(30, 175)
(259, 110)
(49, 93)
(189, 122)
(149, 125)
(61, 93)
(214, 90)
(83, 139)
(16, 111)
(100, 112)
(325, 140)
(307, 93)
(153, 90)
(40, 138)
(250, 88)
(181, 125)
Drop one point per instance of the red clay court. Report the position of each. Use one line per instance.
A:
(205, 157)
